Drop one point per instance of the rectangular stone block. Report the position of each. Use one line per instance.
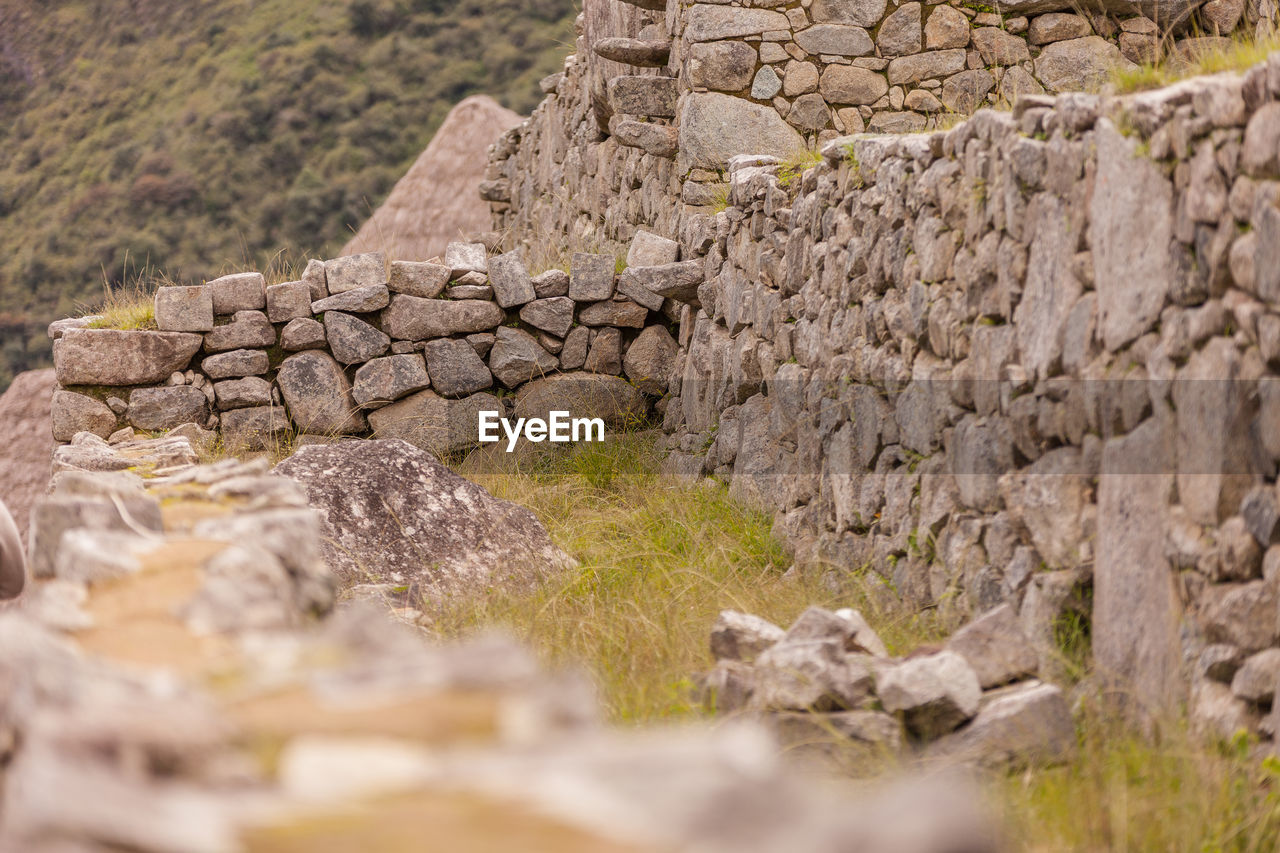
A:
(184, 309)
(644, 96)
(288, 301)
(591, 277)
(246, 291)
(355, 271)
(510, 280)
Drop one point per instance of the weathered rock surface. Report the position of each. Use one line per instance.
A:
(610, 398)
(433, 423)
(1024, 724)
(409, 318)
(166, 408)
(517, 358)
(355, 271)
(386, 380)
(456, 368)
(996, 647)
(72, 413)
(742, 637)
(112, 357)
(935, 694)
(392, 513)
(318, 395)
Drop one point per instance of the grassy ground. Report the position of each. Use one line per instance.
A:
(661, 558)
(1235, 54)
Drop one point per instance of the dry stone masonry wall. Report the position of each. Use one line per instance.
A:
(1029, 360)
(660, 95)
(411, 350)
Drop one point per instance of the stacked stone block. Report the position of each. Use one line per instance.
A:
(410, 349)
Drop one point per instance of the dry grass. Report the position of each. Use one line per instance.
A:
(659, 559)
(130, 305)
(1237, 53)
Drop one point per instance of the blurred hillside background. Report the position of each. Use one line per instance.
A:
(198, 137)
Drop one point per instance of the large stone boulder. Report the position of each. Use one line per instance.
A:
(394, 514)
(714, 127)
(583, 395)
(115, 357)
(434, 423)
(318, 394)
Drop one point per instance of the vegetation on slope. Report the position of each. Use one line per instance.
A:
(194, 137)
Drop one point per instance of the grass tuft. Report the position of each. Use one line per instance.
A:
(1238, 53)
(794, 167)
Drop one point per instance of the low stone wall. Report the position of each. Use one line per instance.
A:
(406, 350)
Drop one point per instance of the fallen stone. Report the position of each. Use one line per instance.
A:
(935, 694)
(114, 357)
(839, 729)
(845, 626)
(355, 271)
(728, 686)
(392, 513)
(996, 647)
(742, 637)
(810, 675)
(1023, 725)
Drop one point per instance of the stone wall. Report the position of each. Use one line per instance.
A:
(659, 96)
(1016, 360)
(411, 350)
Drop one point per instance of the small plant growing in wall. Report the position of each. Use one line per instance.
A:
(855, 166)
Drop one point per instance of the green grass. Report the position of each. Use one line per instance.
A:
(1239, 54)
(794, 166)
(659, 559)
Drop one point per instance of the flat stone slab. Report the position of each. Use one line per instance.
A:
(115, 357)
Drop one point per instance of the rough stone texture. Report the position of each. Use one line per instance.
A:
(248, 329)
(302, 334)
(1026, 724)
(241, 393)
(996, 647)
(510, 280)
(184, 309)
(517, 358)
(463, 258)
(553, 314)
(393, 514)
(714, 127)
(386, 380)
(613, 312)
(810, 675)
(835, 40)
(418, 278)
(456, 369)
(650, 359)
(355, 271)
(605, 354)
(713, 23)
(72, 413)
(936, 694)
(724, 65)
(352, 340)
(111, 357)
(742, 637)
(166, 408)
(433, 423)
(239, 292)
(409, 318)
(1077, 64)
(318, 395)
(237, 363)
(845, 84)
(650, 250)
(610, 398)
(358, 300)
(845, 626)
(1258, 677)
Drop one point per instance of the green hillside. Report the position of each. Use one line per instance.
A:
(193, 137)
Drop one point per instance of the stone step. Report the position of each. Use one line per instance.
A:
(654, 97)
(638, 52)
